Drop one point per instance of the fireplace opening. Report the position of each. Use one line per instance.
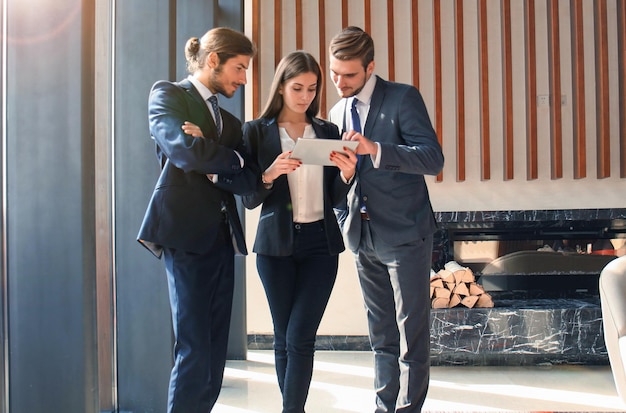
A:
(533, 253)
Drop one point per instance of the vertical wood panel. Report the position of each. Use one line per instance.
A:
(321, 7)
(256, 66)
(508, 89)
(578, 100)
(531, 92)
(391, 55)
(485, 171)
(556, 133)
(344, 13)
(460, 93)
(438, 75)
(415, 44)
(278, 27)
(368, 16)
(602, 91)
(621, 7)
(299, 24)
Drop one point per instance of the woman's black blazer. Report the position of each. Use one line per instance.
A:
(274, 234)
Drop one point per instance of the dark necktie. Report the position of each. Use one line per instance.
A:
(356, 120)
(356, 126)
(216, 114)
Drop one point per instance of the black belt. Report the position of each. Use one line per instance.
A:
(309, 225)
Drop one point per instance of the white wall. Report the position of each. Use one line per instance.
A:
(345, 314)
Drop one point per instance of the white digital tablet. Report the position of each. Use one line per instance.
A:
(317, 151)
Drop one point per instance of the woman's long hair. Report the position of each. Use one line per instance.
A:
(290, 66)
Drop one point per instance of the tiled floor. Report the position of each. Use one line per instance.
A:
(342, 382)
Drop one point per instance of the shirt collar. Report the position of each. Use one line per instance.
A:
(203, 90)
(365, 95)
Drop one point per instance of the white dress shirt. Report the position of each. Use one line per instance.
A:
(206, 93)
(306, 184)
(363, 108)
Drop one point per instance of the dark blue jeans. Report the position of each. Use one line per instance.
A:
(298, 288)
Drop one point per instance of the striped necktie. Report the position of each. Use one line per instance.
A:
(216, 114)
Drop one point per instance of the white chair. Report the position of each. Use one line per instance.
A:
(613, 302)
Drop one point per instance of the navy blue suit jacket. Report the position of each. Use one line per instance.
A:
(395, 194)
(275, 231)
(186, 208)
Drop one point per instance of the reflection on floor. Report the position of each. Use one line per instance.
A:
(342, 382)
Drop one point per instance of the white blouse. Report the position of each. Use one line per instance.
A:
(306, 184)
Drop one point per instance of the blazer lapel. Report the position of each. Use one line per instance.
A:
(195, 95)
(345, 112)
(375, 106)
(271, 141)
(319, 132)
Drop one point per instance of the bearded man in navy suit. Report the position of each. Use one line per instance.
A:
(388, 222)
(192, 218)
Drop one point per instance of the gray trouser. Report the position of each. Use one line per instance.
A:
(395, 285)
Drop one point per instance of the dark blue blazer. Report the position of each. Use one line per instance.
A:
(395, 193)
(186, 208)
(274, 234)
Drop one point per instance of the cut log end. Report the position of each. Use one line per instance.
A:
(455, 285)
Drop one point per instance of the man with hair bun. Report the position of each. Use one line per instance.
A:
(192, 220)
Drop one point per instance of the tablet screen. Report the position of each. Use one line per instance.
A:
(317, 151)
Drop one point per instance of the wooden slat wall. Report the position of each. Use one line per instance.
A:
(321, 10)
(460, 93)
(508, 89)
(602, 91)
(578, 69)
(299, 25)
(531, 92)
(485, 132)
(438, 76)
(256, 68)
(391, 55)
(546, 73)
(415, 40)
(368, 16)
(344, 13)
(556, 132)
(278, 26)
(621, 24)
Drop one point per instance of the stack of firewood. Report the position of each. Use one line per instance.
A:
(455, 285)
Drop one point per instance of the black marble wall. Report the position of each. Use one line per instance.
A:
(530, 218)
(515, 332)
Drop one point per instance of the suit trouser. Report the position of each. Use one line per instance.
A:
(298, 288)
(201, 294)
(395, 285)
